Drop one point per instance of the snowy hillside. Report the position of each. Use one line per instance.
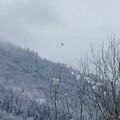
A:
(27, 77)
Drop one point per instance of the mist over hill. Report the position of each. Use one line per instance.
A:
(26, 76)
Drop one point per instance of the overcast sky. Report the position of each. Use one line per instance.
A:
(43, 24)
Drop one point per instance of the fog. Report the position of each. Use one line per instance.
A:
(43, 25)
